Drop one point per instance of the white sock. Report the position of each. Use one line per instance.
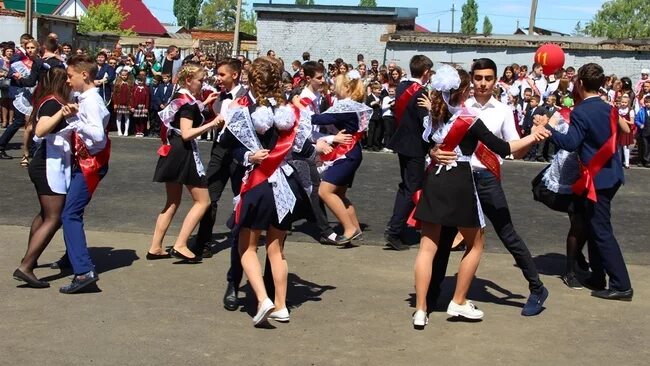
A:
(118, 119)
(126, 125)
(626, 155)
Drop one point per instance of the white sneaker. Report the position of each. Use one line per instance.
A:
(281, 316)
(468, 310)
(263, 313)
(420, 319)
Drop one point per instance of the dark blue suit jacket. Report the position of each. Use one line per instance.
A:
(588, 131)
(162, 97)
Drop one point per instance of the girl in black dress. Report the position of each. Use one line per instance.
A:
(49, 170)
(180, 163)
(351, 116)
(449, 197)
(271, 197)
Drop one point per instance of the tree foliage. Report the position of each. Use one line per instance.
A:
(487, 26)
(304, 2)
(222, 15)
(469, 18)
(106, 16)
(621, 19)
(187, 12)
(368, 3)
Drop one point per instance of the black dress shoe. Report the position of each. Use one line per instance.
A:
(395, 242)
(31, 282)
(176, 254)
(79, 282)
(153, 257)
(594, 284)
(3, 155)
(230, 300)
(614, 294)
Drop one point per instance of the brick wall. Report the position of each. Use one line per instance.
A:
(614, 62)
(326, 40)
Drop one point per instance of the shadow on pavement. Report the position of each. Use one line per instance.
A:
(481, 290)
(105, 259)
(551, 264)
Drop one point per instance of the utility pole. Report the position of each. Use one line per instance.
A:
(453, 15)
(438, 25)
(235, 46)
(533, 14)
(29, 15)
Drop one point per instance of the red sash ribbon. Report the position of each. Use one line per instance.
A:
(268, 166)
(455, 135)
(91, 165)
(164, 149)
(307, 102)
(585, 184)
(342, 149)
(402, 102)
(489, 159)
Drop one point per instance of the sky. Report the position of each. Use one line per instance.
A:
(557, 15)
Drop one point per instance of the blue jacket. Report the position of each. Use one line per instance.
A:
(106, 89)
(640, 119)
(588, 131)
(161, 96)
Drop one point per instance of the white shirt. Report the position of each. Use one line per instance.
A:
(498, 118)
(225, 104)
(91, 120)
(386, 107)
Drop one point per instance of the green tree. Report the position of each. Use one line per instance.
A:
(248, 23)
(469, 18)
(368, 3)
(621, 19)
(187, 12)
(487, 26)
(106, 16)
(218, 14)
(304, 2)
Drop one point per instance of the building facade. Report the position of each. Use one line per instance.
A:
(328, 32)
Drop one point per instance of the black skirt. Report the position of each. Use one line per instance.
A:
(449, 197)
(179, 165)
(38, 172)
(258, 211)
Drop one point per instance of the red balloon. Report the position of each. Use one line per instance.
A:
(551, 57)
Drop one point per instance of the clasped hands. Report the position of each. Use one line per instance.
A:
(70, 110)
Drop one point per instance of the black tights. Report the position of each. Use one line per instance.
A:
(44, 226)
(575, 241)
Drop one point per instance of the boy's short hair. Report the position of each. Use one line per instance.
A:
(375, 85)
(646, 99)
(419, 65)
(306, 56)
(528, 90)
(168, 75)
(592, 77)
(26, 37)
(392, 86)
(51, 45)
(102, 53)
(83, 63)
(158, 78)
(296, 63)
(535, 98)
(233, 64)
(310, 68)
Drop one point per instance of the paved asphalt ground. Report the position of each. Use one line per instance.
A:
(349, 307)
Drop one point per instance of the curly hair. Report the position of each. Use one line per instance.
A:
(439, 109)
(188, 71)
(266, 81)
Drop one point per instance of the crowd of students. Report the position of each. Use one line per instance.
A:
(291, 144)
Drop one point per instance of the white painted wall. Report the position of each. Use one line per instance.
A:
(326, 40)
(613, 62)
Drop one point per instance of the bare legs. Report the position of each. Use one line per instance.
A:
(44, 226)
(468, 265)
(174, 193)
(334, 197)
(248, 240)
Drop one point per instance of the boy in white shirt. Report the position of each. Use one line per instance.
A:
(387, 116)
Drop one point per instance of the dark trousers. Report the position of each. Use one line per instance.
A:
(605, 255)
(495, 207)
(389, 128)
(17, 124)
(375, 133)
(154, 124)
(76, 201)
(644, 149)
(544, 150)
(412, 173)
(317, 206)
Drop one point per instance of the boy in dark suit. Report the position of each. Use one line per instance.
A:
(161, 96)
(591, 134)
(410, 147)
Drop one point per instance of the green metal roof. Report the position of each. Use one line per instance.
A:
(40, 6)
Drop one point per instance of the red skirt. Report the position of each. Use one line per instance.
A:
(627, 139)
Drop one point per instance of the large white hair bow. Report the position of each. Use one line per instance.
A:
(446, 79)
